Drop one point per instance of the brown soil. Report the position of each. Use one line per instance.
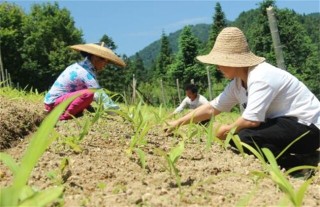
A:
(18, 118)
(103, 174)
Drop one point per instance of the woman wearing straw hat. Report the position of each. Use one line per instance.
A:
(79, 78)
(276, 107)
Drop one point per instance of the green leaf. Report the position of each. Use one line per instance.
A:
(176, 152)
(26, 192)
(75, 147)
(278, 177)
(301, 192)
(142, 157)
(43, 198)
(38, 144)
(210, 134)
(238, 144)
(294, 141)
(255, 152)
(302, 167)
(9, 162)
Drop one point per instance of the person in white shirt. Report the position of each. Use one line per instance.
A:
(192, 100)
(276, 107)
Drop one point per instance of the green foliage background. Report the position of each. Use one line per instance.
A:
(35, 50)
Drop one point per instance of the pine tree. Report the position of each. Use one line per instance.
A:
(301, 55)
(164, 58)
(138, 68)
(185, 60)
(259, 37)
(219, 22)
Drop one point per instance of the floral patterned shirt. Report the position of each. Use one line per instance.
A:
(77, 76)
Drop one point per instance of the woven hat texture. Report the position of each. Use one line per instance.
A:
(101, 51)
(231, 49)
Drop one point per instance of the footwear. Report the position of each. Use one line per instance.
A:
(90, 109)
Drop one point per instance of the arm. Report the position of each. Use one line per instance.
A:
(240, 123)
(91, 82)
(181, 106)
(107, 102)
(201, 113)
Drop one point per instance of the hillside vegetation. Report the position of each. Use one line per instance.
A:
(311, 22)
(36, 45)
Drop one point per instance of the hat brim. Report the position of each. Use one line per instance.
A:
(231, 60)
(100, 51)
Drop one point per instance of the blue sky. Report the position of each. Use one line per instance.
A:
(135, 24)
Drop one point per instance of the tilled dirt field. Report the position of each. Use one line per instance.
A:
(103, 174)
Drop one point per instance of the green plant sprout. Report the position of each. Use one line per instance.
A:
(138, 139)
(19, 193)
(58, 176)
(142, 157)
(74, 141)
(101, 185)
(296, 197)
(273, 172)
(210, 132)
(171, 159)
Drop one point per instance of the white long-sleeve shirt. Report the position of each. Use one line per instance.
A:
(191, 104)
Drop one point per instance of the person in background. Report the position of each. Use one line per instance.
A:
(276, 107)
(192, 100)
(80, 78)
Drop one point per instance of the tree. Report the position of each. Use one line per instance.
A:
(138, 69)
(11, 39)
(112, 77)
(108, 42)
(259, 36)
(219, 22)
(164, 58)
(300, 53)
(184, 66)
(48, 32)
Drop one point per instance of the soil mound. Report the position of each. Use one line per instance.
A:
(18, 118)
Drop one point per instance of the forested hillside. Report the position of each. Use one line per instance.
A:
(35, 49)
(311, 22)
(149, 53)
(299, 36)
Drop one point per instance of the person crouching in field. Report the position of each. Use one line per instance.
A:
(276, 107)
(192, 100)
(79, 78)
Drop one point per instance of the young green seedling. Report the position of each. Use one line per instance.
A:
(296, 197)
(138, 139)
(171, 159)
(19, 193)
(142, 157)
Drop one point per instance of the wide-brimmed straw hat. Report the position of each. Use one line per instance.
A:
(101, 51)
(231, 49)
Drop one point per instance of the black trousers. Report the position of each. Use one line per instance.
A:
(276, 134)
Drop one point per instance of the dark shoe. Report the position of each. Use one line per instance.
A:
(90, 109)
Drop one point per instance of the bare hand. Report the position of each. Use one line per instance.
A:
(223, 131)
(170, 126)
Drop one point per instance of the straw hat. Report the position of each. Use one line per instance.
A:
(101, 51)
(231, 49)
